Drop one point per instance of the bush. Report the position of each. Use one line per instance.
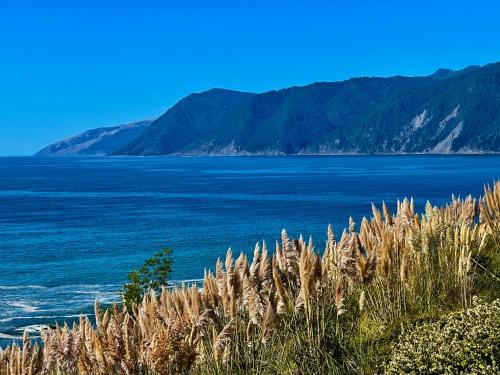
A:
(153, 275)
(467, 342)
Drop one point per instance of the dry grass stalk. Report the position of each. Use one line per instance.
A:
(393, 259)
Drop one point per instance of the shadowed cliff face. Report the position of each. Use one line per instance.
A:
(446, 112)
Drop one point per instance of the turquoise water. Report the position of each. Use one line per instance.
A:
(71, 228)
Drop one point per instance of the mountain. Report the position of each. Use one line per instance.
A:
(100, 141)
(195, 117)
(369, 115)
(446, 112)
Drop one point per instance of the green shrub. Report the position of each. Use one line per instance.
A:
(154, 273)
(467, 342)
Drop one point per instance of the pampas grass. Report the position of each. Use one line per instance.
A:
(259, 317)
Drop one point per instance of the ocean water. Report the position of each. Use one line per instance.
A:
(71, 228)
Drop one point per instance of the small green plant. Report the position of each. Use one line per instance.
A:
(154, 273)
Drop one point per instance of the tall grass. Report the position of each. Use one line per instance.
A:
(295, 310)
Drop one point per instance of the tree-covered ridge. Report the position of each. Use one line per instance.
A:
(456, 112)
(446, 112)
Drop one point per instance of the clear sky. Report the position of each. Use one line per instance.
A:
(68, 66)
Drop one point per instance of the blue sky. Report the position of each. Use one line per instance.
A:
(73, 65)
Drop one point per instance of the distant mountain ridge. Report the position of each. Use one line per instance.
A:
(195, 117)
(445, 112)
(96, 142)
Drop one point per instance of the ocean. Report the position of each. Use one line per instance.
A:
(72, 228)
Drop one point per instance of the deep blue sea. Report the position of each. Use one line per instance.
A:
(71, 228)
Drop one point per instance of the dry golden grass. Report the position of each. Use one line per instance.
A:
(396, 265)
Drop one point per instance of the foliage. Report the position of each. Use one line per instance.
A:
(360, 115)
(461, 343)
(296, 310)
(154, 274)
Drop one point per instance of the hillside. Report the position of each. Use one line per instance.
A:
(194, 118)
(446, 112)
(96, 142)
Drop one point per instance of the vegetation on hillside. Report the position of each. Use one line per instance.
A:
(374, 301)
(454, 112)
